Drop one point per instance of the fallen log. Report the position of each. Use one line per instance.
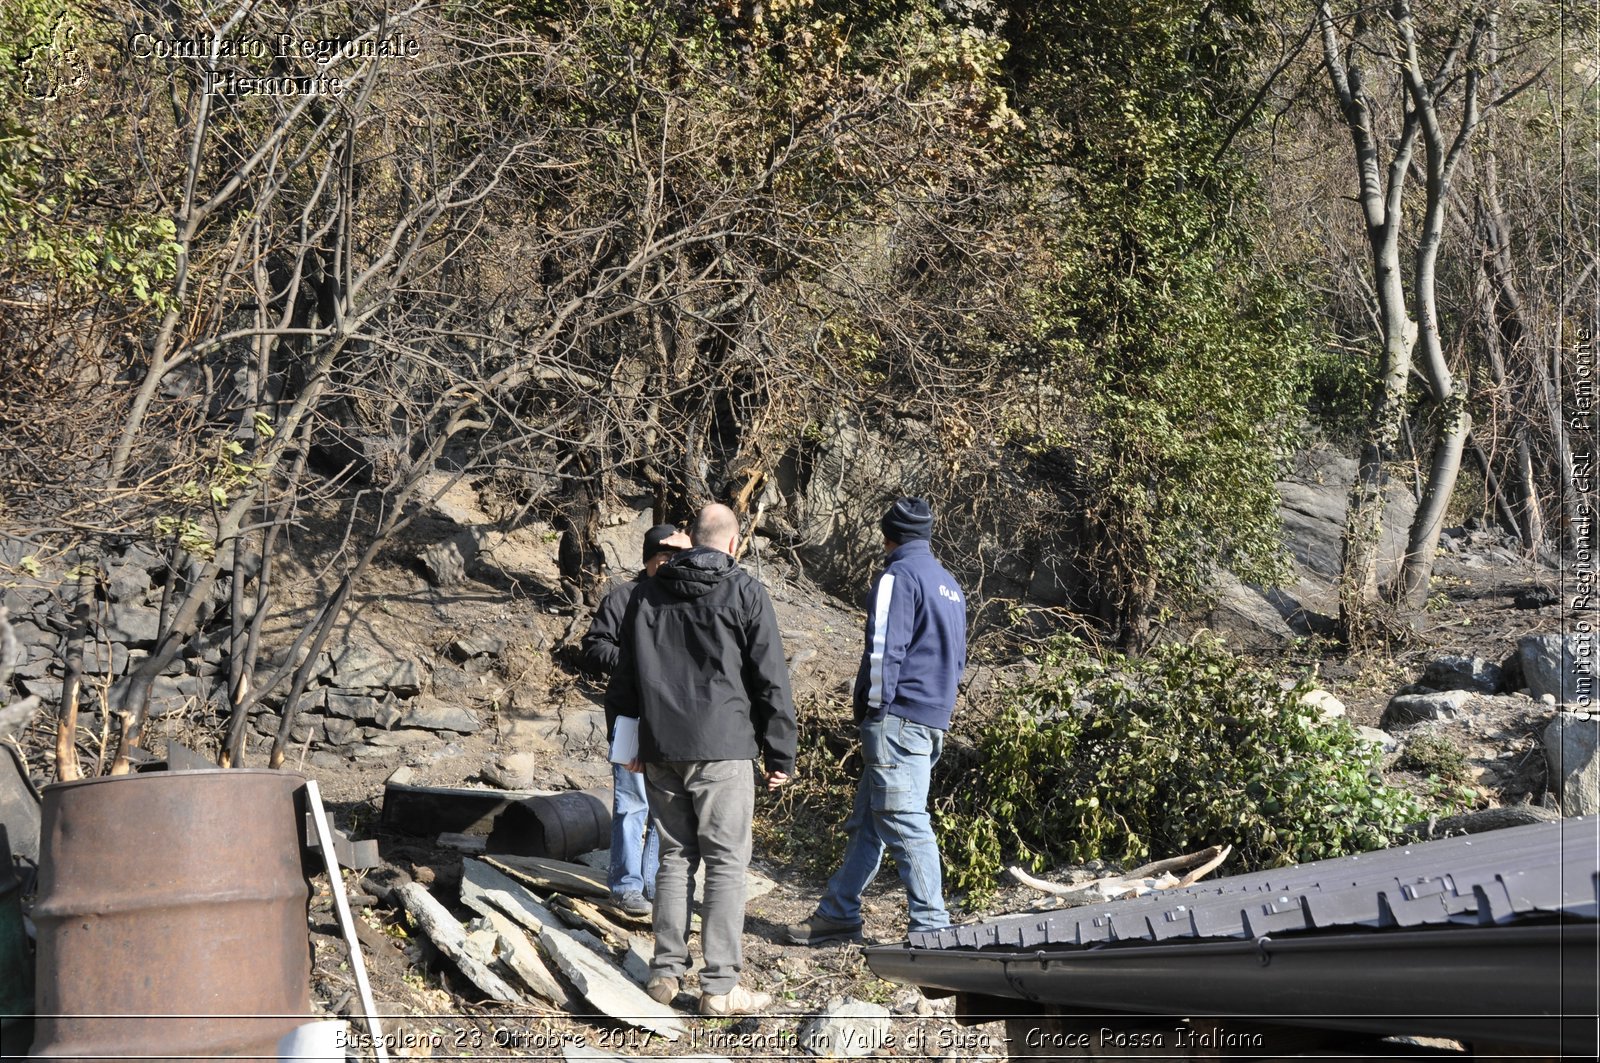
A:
(582, 915)
(451, 938)
(1484, 819)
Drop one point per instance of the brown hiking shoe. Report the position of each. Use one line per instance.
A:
(819, 930)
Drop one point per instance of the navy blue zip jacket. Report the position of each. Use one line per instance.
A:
(916, 640)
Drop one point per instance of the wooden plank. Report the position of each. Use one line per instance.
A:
(599, 917)
(336, 883)
(612, 910)
(585, 916)
(541, 873)
(451, 938)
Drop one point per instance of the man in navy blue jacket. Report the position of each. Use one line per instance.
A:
(905, 692)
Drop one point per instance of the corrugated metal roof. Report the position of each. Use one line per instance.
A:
(1480, 880)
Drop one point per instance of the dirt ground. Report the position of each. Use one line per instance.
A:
(431, 1011)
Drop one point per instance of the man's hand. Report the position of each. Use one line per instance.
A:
(776, 779)
(636, 765)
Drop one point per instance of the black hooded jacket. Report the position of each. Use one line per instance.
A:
(702, 666)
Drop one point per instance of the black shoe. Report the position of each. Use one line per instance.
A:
(633, 902)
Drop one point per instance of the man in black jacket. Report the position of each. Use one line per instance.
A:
(634, 851)
(703, 669)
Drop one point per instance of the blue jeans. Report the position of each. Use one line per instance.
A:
(635, 855)
(891, 812)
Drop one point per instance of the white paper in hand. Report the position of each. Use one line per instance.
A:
(625, 740)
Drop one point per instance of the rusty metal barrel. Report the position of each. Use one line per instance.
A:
(560, 826)
(16, 960)
(171, 915)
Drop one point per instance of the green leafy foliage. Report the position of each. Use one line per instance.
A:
(1167, 364)
(802, 824)
(1125, 759)
(53, 224)
(1436, 757)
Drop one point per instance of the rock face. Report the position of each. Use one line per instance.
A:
(847, 480)
(1313, 498)
(1563, 666)
(366, 690)
(1572, 751)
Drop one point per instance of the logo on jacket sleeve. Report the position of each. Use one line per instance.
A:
(946, 592)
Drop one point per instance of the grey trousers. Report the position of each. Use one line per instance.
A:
(702, 810)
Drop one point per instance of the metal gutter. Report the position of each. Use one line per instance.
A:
(1531, 985)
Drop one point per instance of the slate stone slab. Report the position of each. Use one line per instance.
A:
(35, 647)
(101, 658)
(581, 727)
(846, 1029)
(1562, 666)
(469, 646)
(363, 708)
(605, 986)
(1373, 736)
(340, 731)
(126, 583)
(1459, 672)
(1572, 751)
(406, 739)
(356, 665)
(434, 716)
(169, 695)
(131, 623)
(1415, 708)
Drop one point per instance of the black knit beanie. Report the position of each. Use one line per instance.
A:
(908, 519)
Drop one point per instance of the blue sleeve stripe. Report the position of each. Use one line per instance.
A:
(880, 639)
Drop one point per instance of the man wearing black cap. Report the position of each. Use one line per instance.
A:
(905, 692)
(635, 854)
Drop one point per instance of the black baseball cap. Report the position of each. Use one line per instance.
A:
(664, 539)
